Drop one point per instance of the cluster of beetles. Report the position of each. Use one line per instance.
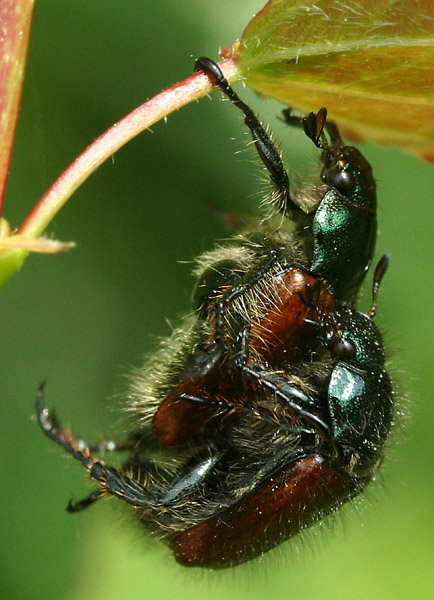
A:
(269, 407)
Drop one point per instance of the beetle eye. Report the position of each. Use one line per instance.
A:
(343, 181)
(342, 348)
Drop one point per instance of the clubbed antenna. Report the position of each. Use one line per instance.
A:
(380, 270)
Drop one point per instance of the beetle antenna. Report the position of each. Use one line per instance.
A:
(314, 125)
(380, 270)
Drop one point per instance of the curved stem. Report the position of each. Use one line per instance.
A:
(120, 133)
(15, 25)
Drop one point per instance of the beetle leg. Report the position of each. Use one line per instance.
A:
(267, 151)
(73, 507)
(210, 352)
(286, 393)
(106, 446)
(240, 349)
(114, 482)
(109, 478)
(191, 475)
(260, 413)
(54, 430)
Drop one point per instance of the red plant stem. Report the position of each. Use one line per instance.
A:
(15, 23)
(120, 133)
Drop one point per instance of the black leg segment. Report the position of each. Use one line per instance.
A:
(267, 151)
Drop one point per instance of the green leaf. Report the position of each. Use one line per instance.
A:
(369, 62)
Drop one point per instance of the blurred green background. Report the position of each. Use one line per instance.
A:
(80, 320)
